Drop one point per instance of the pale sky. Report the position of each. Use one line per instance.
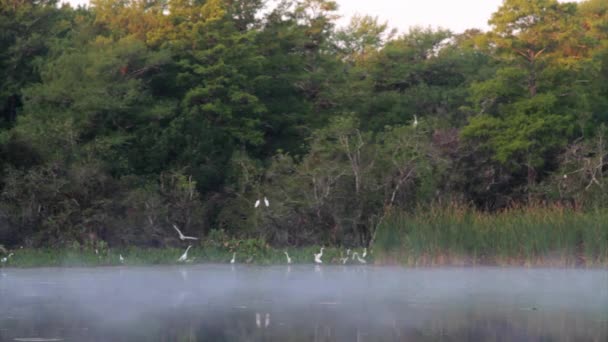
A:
(456, 15)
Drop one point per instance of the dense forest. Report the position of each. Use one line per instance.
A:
(123, 118)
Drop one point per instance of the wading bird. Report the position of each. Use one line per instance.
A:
(257, 204)
(415, 123)
(233, 258)
(288, 258)
(182, 236)
(267, 320)
(266, 201)
(185, 255)
(258, 320)
(318, 256)
(122, 260)
(343, 259)
(356, 255)
(364, 252)
(5, 259)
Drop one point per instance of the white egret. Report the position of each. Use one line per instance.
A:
(288, 258)
(182, 236)
(5, 259)
(364, 252)
(185, 255)
(233, 258)
(415, 123)
(258, 320)
(267, 320)
(318, 256)
(356, 255)
(266, 201)
(122, 260)
(257, 204)
(343, 259)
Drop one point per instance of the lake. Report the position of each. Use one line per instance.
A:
(303, 303)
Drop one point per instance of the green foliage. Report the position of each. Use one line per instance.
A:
(125, 118)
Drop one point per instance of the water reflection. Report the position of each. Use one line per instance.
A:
(303, 303)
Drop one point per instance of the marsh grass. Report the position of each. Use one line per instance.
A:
(531, 236)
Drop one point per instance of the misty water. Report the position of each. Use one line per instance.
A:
(302, 303)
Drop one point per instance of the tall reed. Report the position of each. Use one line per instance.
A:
(542, 236)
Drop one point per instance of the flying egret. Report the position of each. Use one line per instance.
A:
(288, 258)
(185, 255)
(318, 256)
(266, 201)
(182, 236)
(364, 252)
(258, 320)
(356, 255)
(233, 258)
(267, 320)
(257, 204)
(415, 123)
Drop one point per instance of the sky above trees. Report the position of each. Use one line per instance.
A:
(453, 15)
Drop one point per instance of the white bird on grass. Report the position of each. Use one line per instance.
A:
(182, 236)
(5, 259)
(415, 123)
(356, 255)
(266, 201)
(343, 260)
(288, 258)
(122, 260)
(364, 252)
(184, 256)
(233, 258)
(257, 204)
(318, 256)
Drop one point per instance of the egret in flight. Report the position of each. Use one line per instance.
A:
(266, 201)
(318, 256)
(233, 258)
(356, 255)
(185, 255)
(288, 258)
(182, 236)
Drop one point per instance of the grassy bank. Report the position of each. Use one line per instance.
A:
(528, 237)
(260, 254)
(456, 236)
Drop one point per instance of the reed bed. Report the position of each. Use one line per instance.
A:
(530, 236)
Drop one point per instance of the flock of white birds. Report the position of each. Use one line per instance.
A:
(184, 257)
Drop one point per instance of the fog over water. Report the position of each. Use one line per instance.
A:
(302, 303)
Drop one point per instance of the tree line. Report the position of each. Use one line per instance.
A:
(123, 118)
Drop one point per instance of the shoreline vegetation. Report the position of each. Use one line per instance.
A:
(457, 236)
(258, 129)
